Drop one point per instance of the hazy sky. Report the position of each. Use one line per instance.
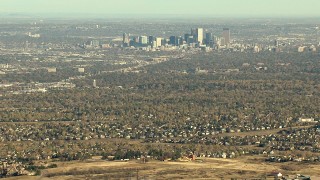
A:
(188, 7)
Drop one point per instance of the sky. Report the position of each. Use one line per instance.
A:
(227, 8)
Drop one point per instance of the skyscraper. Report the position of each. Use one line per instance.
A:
(174, 40)
(143, 40)
(194, 35)
(126, 40)
(190, 39)
(199, 35)
(180, 40)
(151, 39)
(136, 39)
(164, 42)
(209, 39)
(226, 36)
(186, 37)
(158, 42)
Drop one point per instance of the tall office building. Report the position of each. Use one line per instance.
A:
(158, 42)
(199, 37)
(154, 44)
(164, 42)
(209, 39)
(136, 39)
(143, 40)
(190, 39)
(175, 40)
(226, 36)
(151, 39)
(126, 39)
(186, 37)
(172, 40)
(180, 41)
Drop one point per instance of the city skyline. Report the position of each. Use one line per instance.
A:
(228, 8)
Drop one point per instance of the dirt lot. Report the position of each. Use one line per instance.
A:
(205, 168)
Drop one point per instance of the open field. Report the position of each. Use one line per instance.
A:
(203, 168)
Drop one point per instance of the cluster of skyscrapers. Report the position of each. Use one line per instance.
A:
(197, 38)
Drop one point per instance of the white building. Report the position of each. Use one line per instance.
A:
(306, 120)
(301, 48)
(199, 33)
(81, 70)
(94, 83)
(52, 70)
(143, 40)
(158, 42)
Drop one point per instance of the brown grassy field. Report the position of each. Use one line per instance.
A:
(203, 168)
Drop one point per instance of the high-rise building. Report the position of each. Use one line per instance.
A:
(151, 39)
(226, 36)
(158, 42)
(173, 40)
(186, 37)
(190, 39)
(126, 39)
(136, 39)
(180, 41)
(199, 35)
(209, 39)
(143, 40)
(164, 42)
(222, 41)
(154, 44)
